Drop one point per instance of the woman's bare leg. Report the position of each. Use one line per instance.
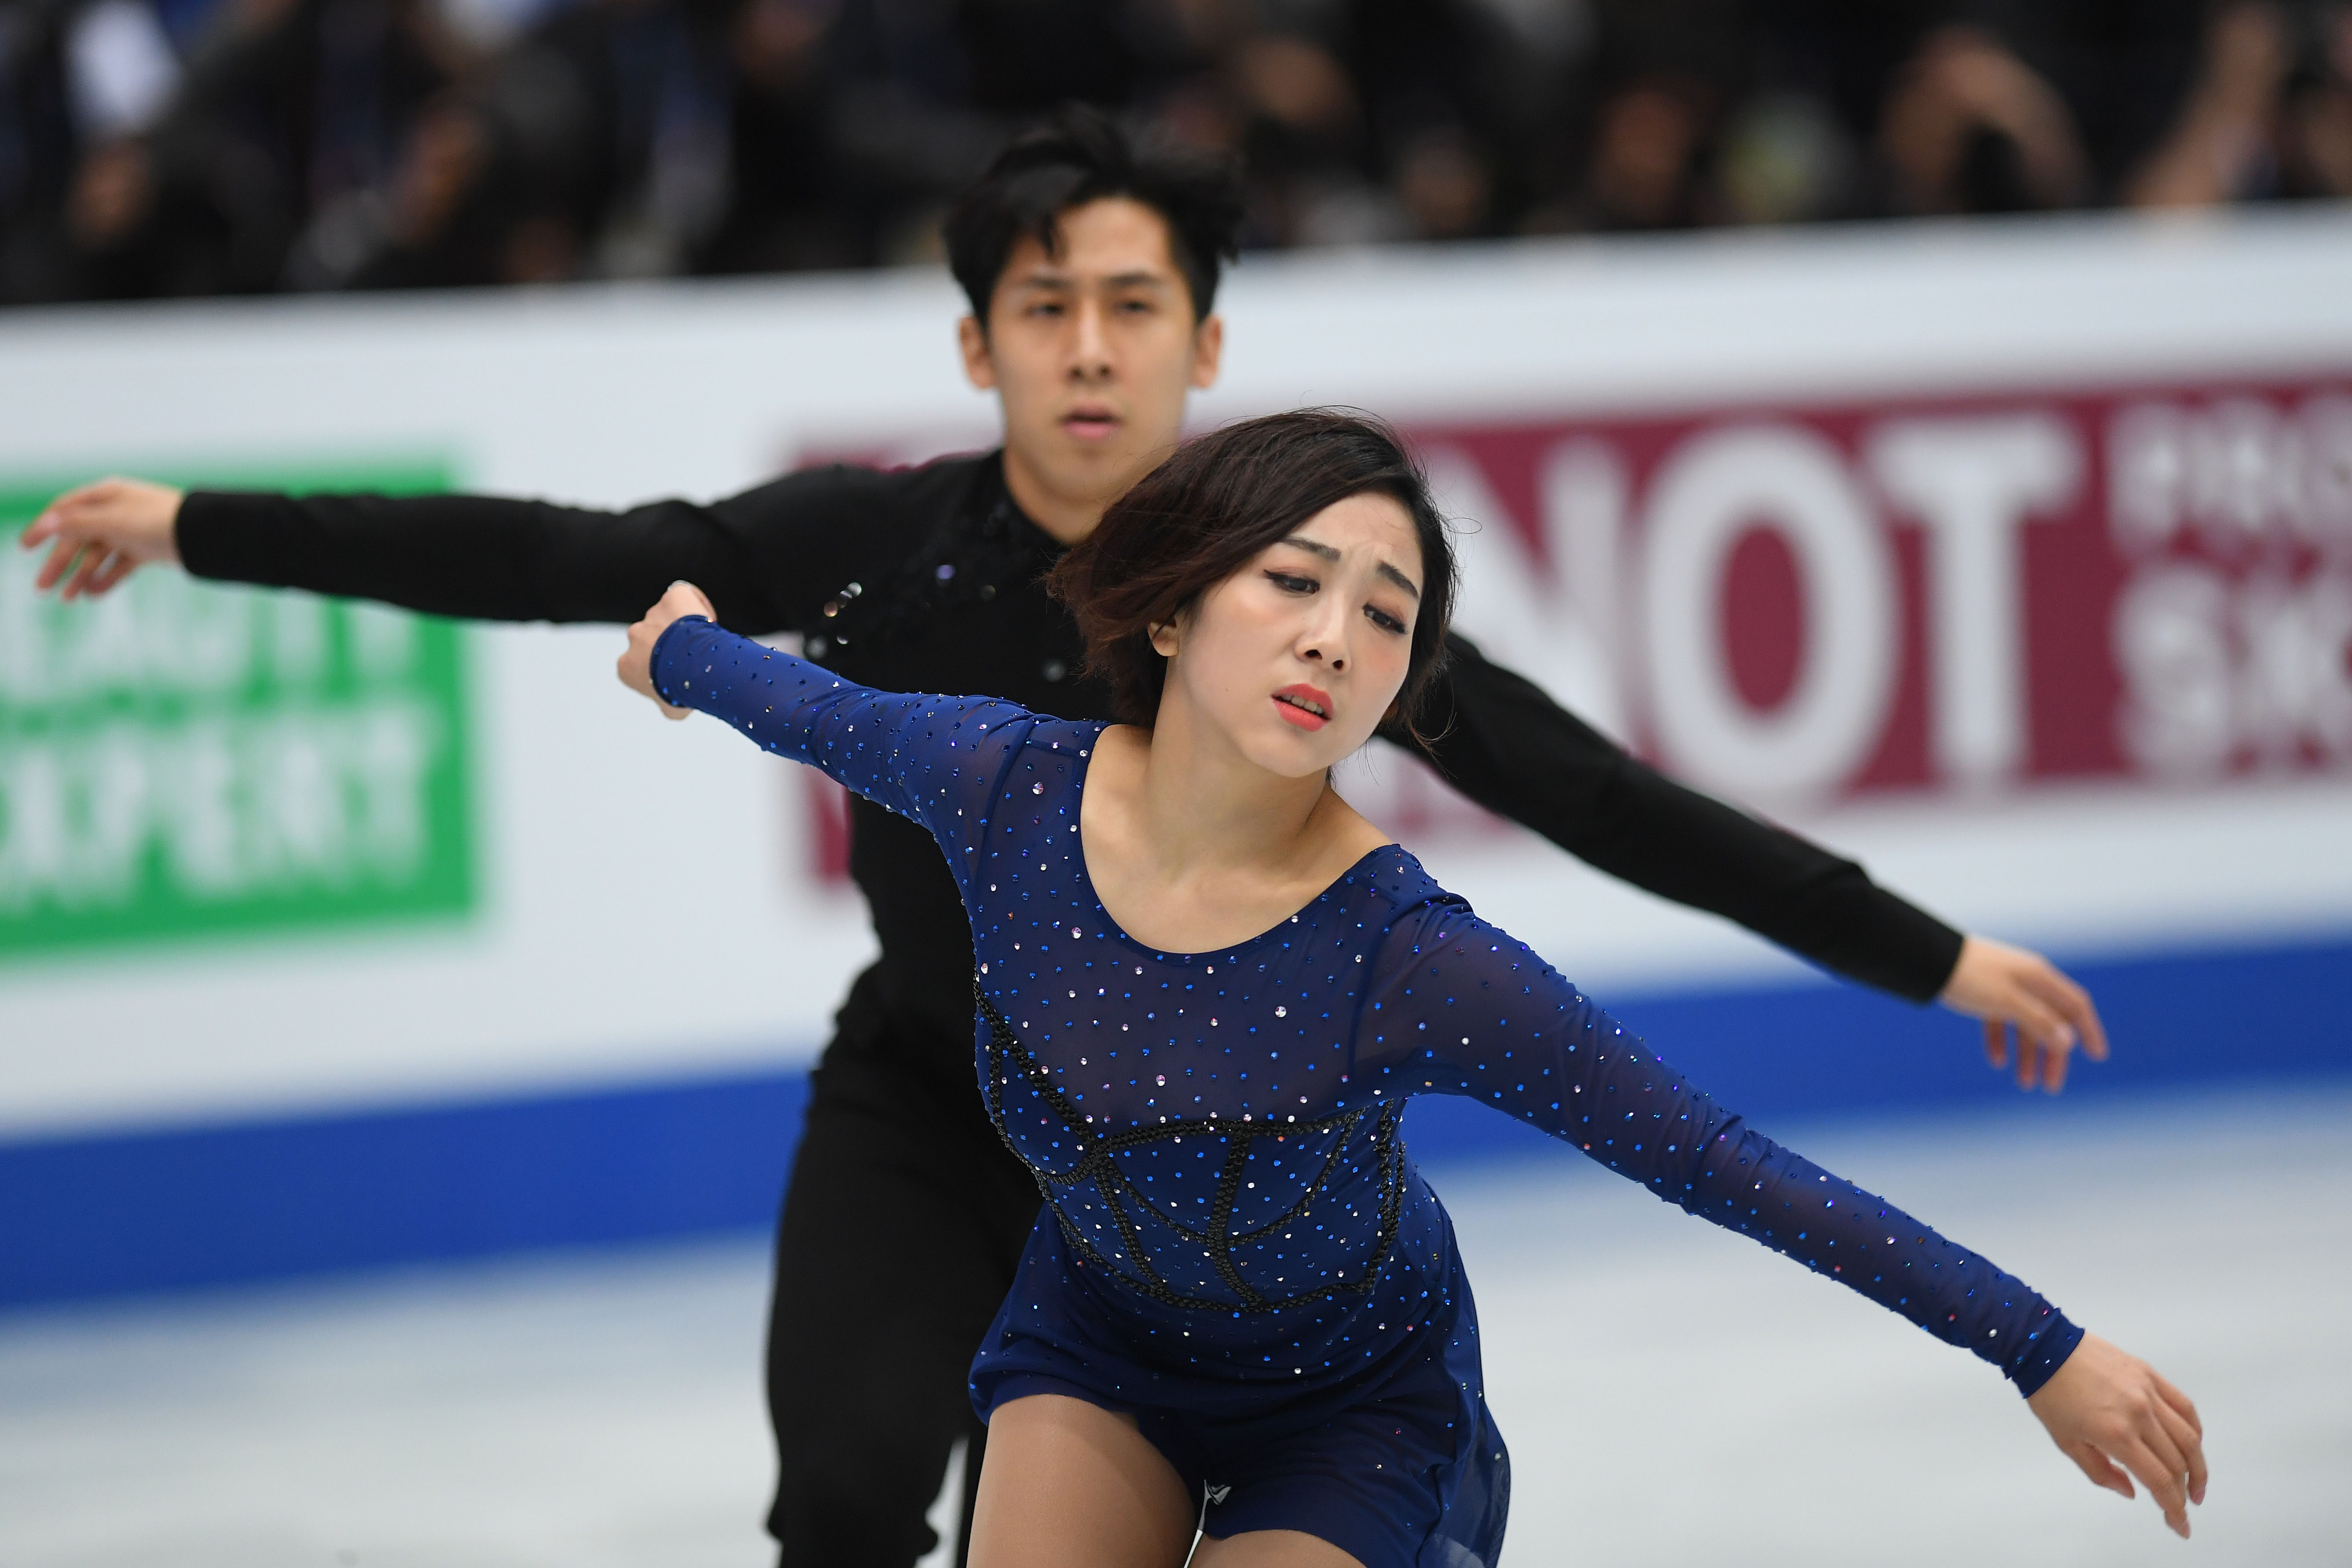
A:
(1271, 1549)
(1071, 1485)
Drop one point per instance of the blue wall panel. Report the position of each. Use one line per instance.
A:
(99, 1217)
(1794, 1055)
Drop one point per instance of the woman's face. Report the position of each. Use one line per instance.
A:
(1299, 655)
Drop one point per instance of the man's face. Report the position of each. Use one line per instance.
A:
(1091, 353)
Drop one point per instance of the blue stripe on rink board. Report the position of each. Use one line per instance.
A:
(108, 1215)
(1787, 1056)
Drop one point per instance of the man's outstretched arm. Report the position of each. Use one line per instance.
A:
(1506, 745)
(769, 554)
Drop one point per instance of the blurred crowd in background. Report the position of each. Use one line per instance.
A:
(155, 148)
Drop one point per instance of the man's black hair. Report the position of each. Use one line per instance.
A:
(1082, 156)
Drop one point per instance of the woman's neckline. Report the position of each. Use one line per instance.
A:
(1113, 924)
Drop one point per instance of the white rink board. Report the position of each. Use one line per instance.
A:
(640, 913)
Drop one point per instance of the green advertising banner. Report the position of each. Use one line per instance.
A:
(183, 759)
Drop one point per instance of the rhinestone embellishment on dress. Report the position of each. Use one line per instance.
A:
(1100, 1164)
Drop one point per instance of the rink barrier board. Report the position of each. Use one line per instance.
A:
(91, 1217)
(1939, 541)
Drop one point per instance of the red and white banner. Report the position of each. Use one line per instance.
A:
(1806, 602)
(1795, 605)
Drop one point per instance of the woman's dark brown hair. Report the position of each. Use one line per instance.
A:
(1206, 512)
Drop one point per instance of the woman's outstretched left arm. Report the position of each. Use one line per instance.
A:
(1461, 1007)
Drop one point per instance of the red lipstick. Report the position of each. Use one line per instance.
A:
(1308, 707)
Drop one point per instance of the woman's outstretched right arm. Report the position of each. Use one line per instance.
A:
(936, 760)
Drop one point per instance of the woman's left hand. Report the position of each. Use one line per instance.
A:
(637, 665)
(2117, 1417)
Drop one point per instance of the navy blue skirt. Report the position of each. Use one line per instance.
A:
(1399, 1465)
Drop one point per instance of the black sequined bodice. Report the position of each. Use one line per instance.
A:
(1133, 1215)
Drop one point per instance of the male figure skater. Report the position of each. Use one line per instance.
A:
(1091, 265)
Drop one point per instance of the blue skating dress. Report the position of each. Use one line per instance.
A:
(1236, 1248)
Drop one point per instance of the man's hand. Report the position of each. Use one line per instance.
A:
(637, 665)
(101, 533)
(2010, 988)
(2112, 1414)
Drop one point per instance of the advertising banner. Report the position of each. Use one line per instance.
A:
(1904, 599)
(1797, 604)
(184, 759)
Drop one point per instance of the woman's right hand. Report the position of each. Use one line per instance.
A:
(2112, 1413)
(636, 665)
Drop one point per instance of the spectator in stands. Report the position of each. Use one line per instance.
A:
(81, 81)
(286, 111)
(2314, 124)
(2125, 69)
(2270, 113)
(2220, 147)
(1306, 146)
(1442, 97)
(39, 135)
(1970, 128)
(1644, 111)
(783, 209)
(596, 146)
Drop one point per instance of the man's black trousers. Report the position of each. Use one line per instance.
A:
(902, 1226)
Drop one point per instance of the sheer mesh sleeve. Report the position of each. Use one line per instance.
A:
(1458, 1007)
(936, 760)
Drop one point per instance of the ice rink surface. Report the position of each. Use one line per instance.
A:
(1671, 1394)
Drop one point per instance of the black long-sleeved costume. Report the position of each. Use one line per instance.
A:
(947, 600)
(905, 1218)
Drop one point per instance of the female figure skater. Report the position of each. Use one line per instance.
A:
(1207, 988)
